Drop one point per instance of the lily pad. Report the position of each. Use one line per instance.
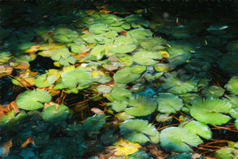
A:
(140, 131)
(199, 128)
(55, 113)
(33, 99)
(232, 85)
(123, 44)
(98, 28)
(144, 57)
(178, 139)
(211, 111)
(75, 78)
(65, 35)
(177, 86)
(169, 103)
(140, 34)
(213, 91)
(121, 94)
(141, 106)
(94, 123)
(45, 80)
(125, 76)
(11, 118)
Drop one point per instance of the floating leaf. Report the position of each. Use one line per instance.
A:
(33, 99)
(154, 44)
(169, 103)
(65, 35)
(11, 118)
(213, 91)
(125, 75)
(98, 28)
(121, 94)
(178, 55)
(229, 63)
(141, 106)
(123, 44)
(45, 80)
(140, 34)
(177, 86)
(178, 139)
(75, 78)
(144, 57)
(139, 131)
(226, 153)
(210, 111)
(55, 113)
(125, 147)
(94, 123)
(199, 128)
(232, 85)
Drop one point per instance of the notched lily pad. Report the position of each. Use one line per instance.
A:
(33, 99)
(55, 113)
(211, 111)
(139, 131)
(178, 139)
(232, 85)
(169, 103)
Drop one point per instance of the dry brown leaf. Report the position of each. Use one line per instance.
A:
(27, 142)
(97, 110)
(6, 148)
(5, 70)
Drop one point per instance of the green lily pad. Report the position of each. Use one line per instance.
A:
(98, 28)
(178, 139)
(176, 86)
(75, 78)
(226, 153)
(199, 128)
(33, 99)
(125, 75)
(211, 111)
(178, 55)
(63, 57)
(229, 63)
(232, 46)
(120, 94)
(154, 44)
(144, 57)
(140, 131)
(55, 114)
(45, 80)
(94, 123)
(232, 85)
(213, 91)
(11, 118)
(141, 106)
(123, 44)
(65, 35)
(97, 52)
(77, 48)
(140, 34)
(169, 103)
(137, 21)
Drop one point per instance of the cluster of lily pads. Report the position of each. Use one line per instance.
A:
(142, 76)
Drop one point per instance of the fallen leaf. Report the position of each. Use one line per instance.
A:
(124, 147)
(33, 49)
(97, 111)
(5, 70)
(5, 148)
(27, 142)
(164, 54)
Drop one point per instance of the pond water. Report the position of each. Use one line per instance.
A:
(117, 79)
